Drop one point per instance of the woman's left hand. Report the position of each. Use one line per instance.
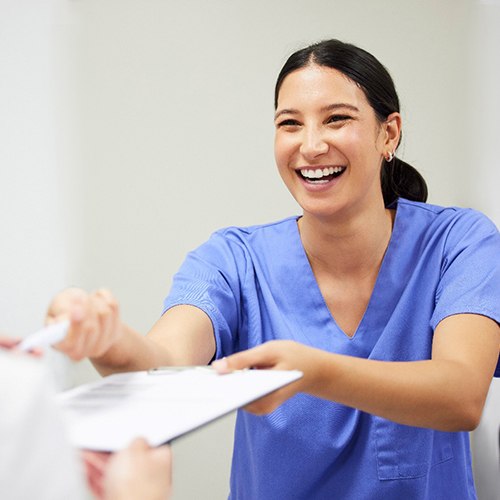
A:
(274, 355)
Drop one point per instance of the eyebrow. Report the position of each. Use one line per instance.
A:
(330, 107)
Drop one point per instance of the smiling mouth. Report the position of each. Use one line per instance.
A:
(320, 175)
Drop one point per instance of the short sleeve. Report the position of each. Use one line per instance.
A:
(209, 279)
(470, 274)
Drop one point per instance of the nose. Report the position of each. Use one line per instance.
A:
(313, 144)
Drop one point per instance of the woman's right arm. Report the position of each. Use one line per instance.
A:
(182, 336)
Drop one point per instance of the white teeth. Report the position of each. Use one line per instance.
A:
(318, 173)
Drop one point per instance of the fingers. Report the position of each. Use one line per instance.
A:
(96, 459)
(105, 330)
(138, 445)
(63, 303)
(274, 355)
(95, 465)
(139, 471)
(11, 344)
(263, 357)
(8, 343)
(158, 456)
(94, 322)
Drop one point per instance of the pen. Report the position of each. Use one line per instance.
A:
(47, 336)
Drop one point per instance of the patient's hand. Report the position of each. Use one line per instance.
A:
(139, 472)
(10, 344)
(95, 466)
(7, 342)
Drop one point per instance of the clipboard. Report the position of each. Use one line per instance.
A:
(159, 405)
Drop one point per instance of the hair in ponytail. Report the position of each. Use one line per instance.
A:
(398, 178)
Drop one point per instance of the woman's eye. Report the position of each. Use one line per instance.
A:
(287, 123)
(338, 119)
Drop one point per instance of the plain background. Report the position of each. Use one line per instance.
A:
(131, 129)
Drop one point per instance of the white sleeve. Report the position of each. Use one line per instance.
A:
(36, 460)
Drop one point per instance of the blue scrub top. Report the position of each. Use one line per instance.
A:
(256, 285)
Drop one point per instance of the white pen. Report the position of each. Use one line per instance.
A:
(47, 336)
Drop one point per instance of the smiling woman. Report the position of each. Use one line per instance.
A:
(387, 304)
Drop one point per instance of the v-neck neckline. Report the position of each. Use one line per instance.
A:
(314, 297)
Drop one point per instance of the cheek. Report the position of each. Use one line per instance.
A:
(350, 140)
(282, 152)
(361, 147)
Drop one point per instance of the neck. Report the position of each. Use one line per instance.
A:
(351, 247)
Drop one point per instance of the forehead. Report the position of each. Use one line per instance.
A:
(320, 85)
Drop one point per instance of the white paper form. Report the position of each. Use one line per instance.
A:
(106, 415)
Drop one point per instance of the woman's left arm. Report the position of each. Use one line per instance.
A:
(445, 393)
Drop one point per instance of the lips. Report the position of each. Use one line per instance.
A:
(320, 175)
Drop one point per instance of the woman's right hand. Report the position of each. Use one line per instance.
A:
(95, 322)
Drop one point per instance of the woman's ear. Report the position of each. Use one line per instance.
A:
(393, 131)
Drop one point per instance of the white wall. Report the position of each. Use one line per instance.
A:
(141, 127)
(38, 209)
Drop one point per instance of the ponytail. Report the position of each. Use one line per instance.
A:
(399, 179)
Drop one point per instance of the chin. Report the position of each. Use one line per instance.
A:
(323, 212)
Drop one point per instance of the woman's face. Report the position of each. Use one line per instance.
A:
(329, 144)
